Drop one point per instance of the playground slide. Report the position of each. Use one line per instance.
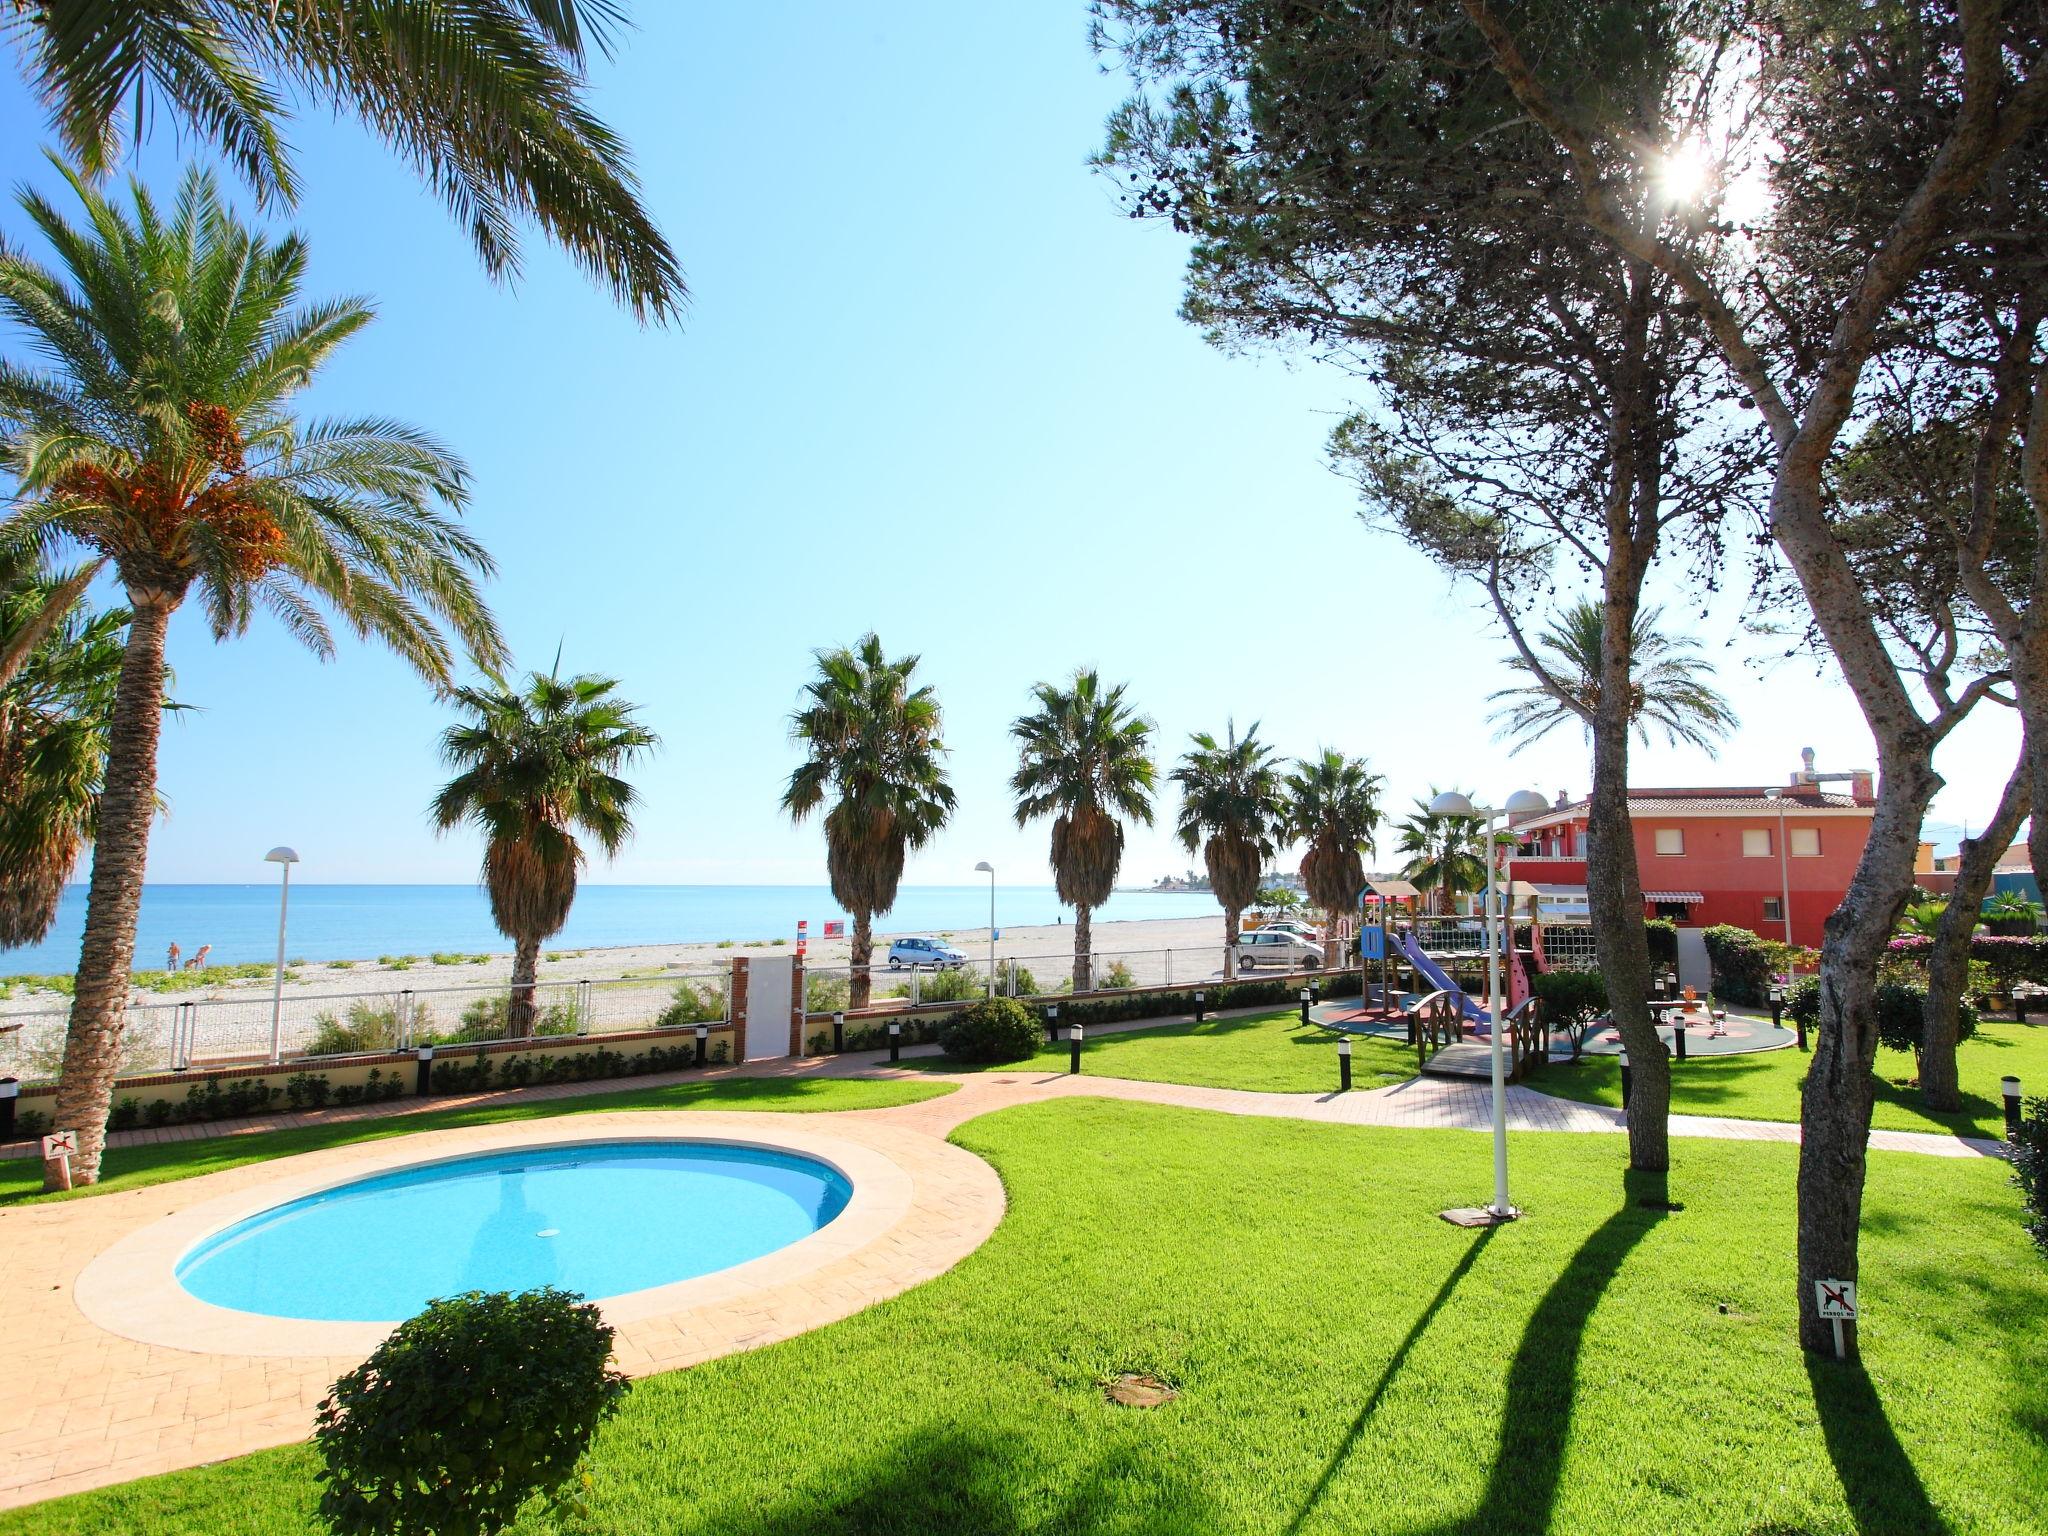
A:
(1418, 958)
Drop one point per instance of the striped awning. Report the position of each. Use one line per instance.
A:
(1691, 897)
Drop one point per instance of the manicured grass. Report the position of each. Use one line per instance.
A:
(1270, 1052)
(21, 1179)
(1766, 1086)
(1347, 1362)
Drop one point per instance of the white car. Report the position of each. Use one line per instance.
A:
(1291, 925)
(1278, 949)
(930, 954)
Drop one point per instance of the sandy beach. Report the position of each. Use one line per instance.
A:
(1045, 948)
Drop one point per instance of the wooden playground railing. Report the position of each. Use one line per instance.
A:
(1434, 1022)
(1528, 1039)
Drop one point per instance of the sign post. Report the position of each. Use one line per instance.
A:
(1838, 1306)
(59, 1147)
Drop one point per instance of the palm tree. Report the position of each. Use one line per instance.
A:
(54, 714)
(1084, 759)
(1672, 689)
(161, 437)
(1446, 853)
(536, 766)
(1230, 808)
(873, 745)
(1333, 805)
(484, 100)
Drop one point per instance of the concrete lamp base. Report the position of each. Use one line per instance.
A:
(1479, 1216)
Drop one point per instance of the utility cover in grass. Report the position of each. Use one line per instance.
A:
(1131, 1390)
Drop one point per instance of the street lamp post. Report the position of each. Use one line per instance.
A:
(1523, 802)
(284, 858)
(1784, 865)
(986, 868)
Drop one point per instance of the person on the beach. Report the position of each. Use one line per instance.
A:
(172, 963)
(198, 961)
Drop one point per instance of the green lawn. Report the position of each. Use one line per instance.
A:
(21, 1179)
(1270, 1052)
(1766, 1086)
(1347, 1362)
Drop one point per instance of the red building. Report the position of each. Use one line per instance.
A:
(1721, 855)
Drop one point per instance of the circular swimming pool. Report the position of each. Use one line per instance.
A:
(599, 1218)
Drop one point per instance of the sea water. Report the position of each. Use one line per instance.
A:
(362, 922)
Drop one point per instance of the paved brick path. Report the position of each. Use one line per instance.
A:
(88, 1407)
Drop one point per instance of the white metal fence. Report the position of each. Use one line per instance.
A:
(176, 1033)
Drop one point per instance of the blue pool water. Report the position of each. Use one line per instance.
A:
(600, 1219)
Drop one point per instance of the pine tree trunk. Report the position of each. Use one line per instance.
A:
(1614, 897)
(92, 1043)
(1083, 931)
(860, 957)
(519, 1010)
(1834, 1107)
(1232, 917)
(1948, 958)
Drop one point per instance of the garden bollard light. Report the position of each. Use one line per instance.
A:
(1777, 1007)
(423, 1084)
(895, 1041)
(1315, 990)
(838, 1032)
(2011, 1088)
(1799, 1023)
(2020, 1000)
(10, 1095)
(1625, 1080)
(1304, 1005)
(703, 1044)
(1344, 1064)
(1074, 1049)
(1201, 1004)
(1052, 1024)
(1678, 1034)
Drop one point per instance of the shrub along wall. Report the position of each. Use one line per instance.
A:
(2010, 960)
(161, 1099)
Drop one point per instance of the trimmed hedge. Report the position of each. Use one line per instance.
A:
(992, 1029)
(1742, 964)
(1901, 1012)
(2030, 1168)
(2009, 959)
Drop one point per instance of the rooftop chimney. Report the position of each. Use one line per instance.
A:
(1805, 775)
(1563, 800)
(1863, 787)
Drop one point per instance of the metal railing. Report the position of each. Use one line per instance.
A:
(189, 1033)
(830, 989)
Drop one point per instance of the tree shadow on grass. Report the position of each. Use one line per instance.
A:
(1393, 1368)
(956, 1482)
(1884, 1492)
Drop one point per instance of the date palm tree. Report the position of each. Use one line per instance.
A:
(537, 765)
(1333, 806)
(484, 100)
(1230, 810)
(1672, 692)
(873, 748)
(1083, 758)
(1446, 853)
(160, 435)
(54, 714)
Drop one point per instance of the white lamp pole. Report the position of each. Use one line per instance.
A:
(285, 859)
(986, 868)
(1784, 867)
(1523, 802)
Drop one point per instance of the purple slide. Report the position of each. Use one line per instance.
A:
(1435, 974)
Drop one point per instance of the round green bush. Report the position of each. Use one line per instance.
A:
(994, 1029)
(464, 1413)
(1901, 1012)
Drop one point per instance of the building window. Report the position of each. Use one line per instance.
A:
(1756, 843)
(1671, 839)
(1774, 910)
(1804, 842)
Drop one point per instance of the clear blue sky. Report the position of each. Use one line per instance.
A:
(932, 384)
